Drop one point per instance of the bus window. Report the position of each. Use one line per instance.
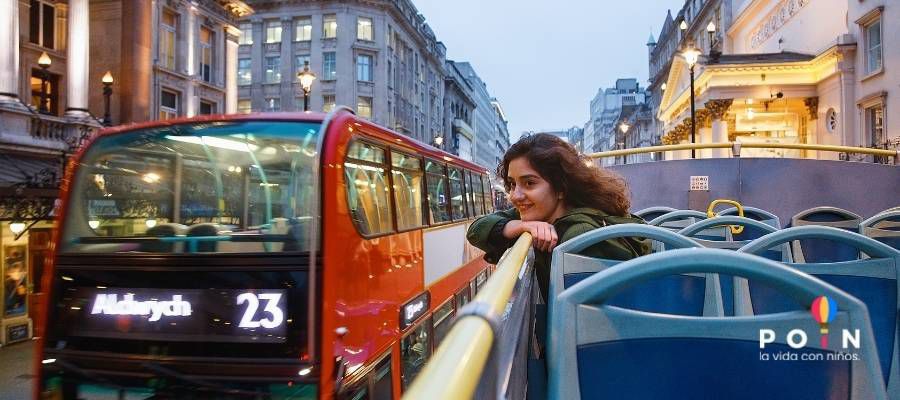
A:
(470, 195)
(407, 173)
(463, 297)
(376, 385)
(480, 280)
(223, 181)
(443, 318)
(479, 194)
(488, 195)
(367, 189)
(415, 350)
(457, 202)
(437, 192)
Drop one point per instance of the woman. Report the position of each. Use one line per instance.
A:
(556, 195)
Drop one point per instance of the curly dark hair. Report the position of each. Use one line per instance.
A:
(559, 163)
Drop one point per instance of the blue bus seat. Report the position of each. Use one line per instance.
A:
(729, 283)
(874, 280)
(754, 213)
(883, 227)
(690, 294)
(163, 230)
(651, 213)
(597, 350)
(203, 230)
(819, 251)
(677, 220)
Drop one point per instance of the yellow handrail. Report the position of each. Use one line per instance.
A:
(735, 229)
(736, 149)
(456, 367)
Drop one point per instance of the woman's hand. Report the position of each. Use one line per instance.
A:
(543, 234)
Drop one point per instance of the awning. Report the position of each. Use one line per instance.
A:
(29, 172)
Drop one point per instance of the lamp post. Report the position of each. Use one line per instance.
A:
(439, 141)
(624, 128)
(44, 62)
(306, 80)
(711, 31)
(691, 55)
(107, 92)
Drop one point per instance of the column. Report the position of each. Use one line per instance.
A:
(231, 59)
(190, 101)
(717, 110)
(134, 92)
(9, 52)
(77, 62)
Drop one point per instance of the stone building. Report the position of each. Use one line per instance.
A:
(491, 134)
(459, 110)
(379, 58)
(788, 71)
(606, 107)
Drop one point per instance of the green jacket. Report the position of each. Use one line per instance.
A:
(486, 233)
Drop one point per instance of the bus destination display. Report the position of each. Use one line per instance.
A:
(216, 315)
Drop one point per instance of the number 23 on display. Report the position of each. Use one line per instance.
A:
(273, 320)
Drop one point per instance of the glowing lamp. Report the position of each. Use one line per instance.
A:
(17, 227)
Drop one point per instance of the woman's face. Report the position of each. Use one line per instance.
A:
(531, 194)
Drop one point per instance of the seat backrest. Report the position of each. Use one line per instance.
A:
(651, 213)
(205, 230)
(163, 230)
(677, 220)
(883, 227)
(817, 251)
(695, 294)
(756, 214)
(729, 283)
(596, 350)
(874, 280)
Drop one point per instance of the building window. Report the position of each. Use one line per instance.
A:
(244, 106)
(168, 105)
(273, 104)
(329, 26)
(364, 107)
(364, 68)
(273, 69)
(206, 54)
(273, 31)
(207, 107)
(245, 76)
(303, 29)
(328, 102)
(168, 32)
(330, 65)
(52, 91)
(42, 22)
(364, 28)
(873, 46)
(875, 125)
(246, 33)
(299, 62)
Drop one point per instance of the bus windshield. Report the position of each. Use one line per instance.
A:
(212, 187)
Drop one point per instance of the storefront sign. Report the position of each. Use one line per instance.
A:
(17, 333)
(778, 18)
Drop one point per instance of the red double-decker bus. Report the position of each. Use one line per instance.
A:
(264, 256)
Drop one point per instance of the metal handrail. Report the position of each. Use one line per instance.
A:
(736, 149)
(457, 365)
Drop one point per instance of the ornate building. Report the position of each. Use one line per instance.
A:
(165, 58)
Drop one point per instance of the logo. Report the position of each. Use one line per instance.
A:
(823, 310)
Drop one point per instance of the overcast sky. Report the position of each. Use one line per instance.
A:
(543, 60)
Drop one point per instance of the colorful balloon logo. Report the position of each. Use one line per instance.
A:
(823, 311)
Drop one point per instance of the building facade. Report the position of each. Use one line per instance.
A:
(606, 108)
(491, 132)
(379, 58)
(459, 114)
(53, 57)
(788, 71)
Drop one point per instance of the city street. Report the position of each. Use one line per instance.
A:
(15, 370)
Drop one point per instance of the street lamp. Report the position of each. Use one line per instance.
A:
(306, 80)
(683, 25)
(711, 31)
(438, 141)
(624, 128)
(691, 55)
(44, 63)
(17, 227)
(107, 92)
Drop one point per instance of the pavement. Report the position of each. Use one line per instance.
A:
(16, 376)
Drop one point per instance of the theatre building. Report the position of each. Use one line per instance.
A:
(791, 71)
